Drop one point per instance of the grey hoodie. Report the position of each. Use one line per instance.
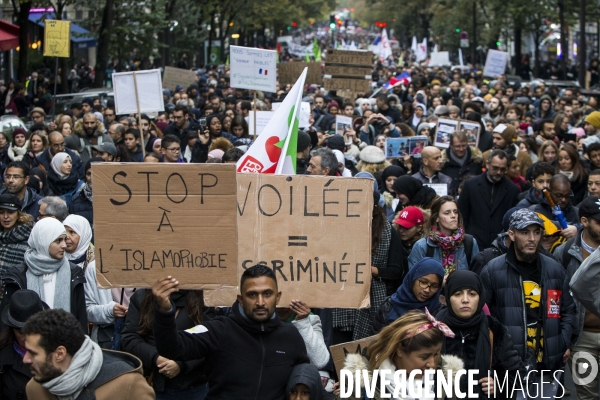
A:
(308, 375)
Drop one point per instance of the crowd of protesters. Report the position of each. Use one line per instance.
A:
(473, 245)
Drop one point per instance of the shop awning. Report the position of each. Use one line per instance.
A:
(81, 37)
(9, 36)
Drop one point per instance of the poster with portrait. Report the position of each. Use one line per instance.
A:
(472, 130)
(397, 147)
(416, 145)
(445, 127)
(343, 124)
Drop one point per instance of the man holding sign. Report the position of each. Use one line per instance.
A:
(251, 352)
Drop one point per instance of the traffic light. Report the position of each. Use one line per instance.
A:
(332, 21)
(294, 24)
(457, 30)
(498, 43)
(289, 28)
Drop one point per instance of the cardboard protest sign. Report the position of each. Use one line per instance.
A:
(348, 70)
(495, 63)
(138, 91)
(262, 119)
(177, 76)
(288, 72)
(339, 351)
(154, 220)
(287, 222)
(253, 69)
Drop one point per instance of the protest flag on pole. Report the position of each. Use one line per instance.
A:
(274, 151)
(460, 58)
(414, 47)
(384, 50)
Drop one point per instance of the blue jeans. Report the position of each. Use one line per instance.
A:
(195, 393)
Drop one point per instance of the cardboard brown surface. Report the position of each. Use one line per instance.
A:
(338, 70)
(349, 57)
(177, 76)
(353, 85)
(152, 220)
(338, 355)
(288, 72)
(305, 226)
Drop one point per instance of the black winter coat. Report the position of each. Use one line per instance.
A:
(504, 356)
(481, 217)
(80, 205)
(16, 278)
(14, 375)
(144, 347)
(248, 360)
(458, 172)
(505, 298)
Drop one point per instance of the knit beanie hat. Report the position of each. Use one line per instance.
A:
(593, 118)
(372, 155)
(508, 132)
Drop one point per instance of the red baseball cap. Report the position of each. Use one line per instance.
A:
(409, 217)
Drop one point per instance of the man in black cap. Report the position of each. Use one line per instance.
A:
(528, 292)
(586, 335)
(87, 105)
(15, 375)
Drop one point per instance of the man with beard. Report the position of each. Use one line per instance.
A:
(16, 178)
(486, 198)
(250, 351)
(495, 109)
(523, 279)
(65, 363)
(503, 138)
(57, 145)
(88, 132)
(571, 254)
(591, 123)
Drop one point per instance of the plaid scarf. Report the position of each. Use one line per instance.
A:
(448, 244)
(87, 192)
(13, 247)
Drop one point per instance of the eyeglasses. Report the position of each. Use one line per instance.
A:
(426, 285)
(11, 177)
(174, 149)
(563, 196)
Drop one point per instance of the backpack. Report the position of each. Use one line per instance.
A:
(468, 242)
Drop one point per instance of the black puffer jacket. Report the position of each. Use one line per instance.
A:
(505, 298)
(247, 359)
(505, 358)
(144, 346)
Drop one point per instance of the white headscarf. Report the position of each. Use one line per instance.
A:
(44, 232)
(57, 162)
(40, 263)
(81, 226)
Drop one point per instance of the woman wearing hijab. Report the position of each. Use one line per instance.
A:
(38, 181)
(62, 179)
(388, 177)
(47, 271)
(100, 308)
(411, 192)
(420, 288)
(417, 118)
(481, 341)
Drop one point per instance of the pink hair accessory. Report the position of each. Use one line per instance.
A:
(434, 324)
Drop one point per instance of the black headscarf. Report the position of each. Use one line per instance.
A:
(392, 170)
(36, 177)
(464, 279)
(407, 185)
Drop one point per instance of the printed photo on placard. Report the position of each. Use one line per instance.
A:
(472, 130)
(416, 145)
(396, 147)
(343, 124)
(445, 127)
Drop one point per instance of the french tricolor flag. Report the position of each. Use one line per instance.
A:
(263, 71)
